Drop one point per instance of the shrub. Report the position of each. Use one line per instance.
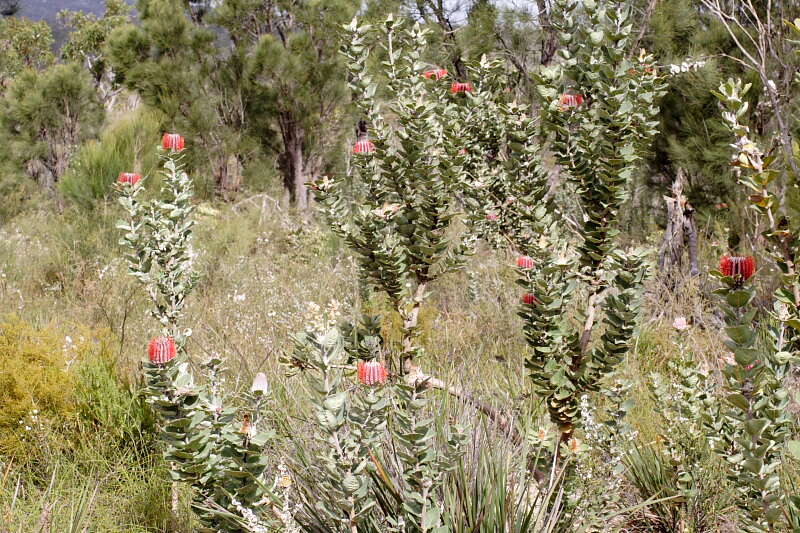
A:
(57, 388)
(121, 148)
(47, 115)
(35, 383)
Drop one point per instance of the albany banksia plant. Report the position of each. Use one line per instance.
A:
(758, 172)
(205, 443)
(750, 428)
(399, 222)
(379, 470)
(158, 238)
(600, 118)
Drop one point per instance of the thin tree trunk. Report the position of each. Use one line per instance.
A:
(299, 178)
(645, 25)
(681, 231)
(549, 36)
(292, 163)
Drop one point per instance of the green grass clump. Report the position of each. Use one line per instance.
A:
(125, 146)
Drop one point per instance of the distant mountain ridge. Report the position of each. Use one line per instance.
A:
(48, 9)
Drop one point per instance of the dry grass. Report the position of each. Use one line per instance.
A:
(265, 275)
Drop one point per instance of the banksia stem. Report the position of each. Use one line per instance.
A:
(751, 427)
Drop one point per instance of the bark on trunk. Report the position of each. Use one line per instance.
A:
(292, 162)
(549, 37)
(680, 233)
(299, 177)
(229, 173)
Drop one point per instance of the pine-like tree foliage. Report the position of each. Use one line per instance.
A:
(246, 79)
(296, 77)
(691, 135)
(87, 39)
(46, 115)
(25, 44)
(177, 68)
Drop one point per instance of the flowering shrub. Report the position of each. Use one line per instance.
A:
(372, 372)
(128, 178)
(598, 132)
(158, 236)
(458, 87)
(435, 74)
(161, 350)
(750, 430)
(209, 443)
(406, 191)
(172, 142)
(363, 147)
(380, 443)
(739, 269)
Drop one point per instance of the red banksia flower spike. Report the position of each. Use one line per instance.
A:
(372, 372)
(128, 178)
(460, 87)
(568, 101)
(363, 147)
(161, 350)
(530, 299)
(740, 268)
(435, 74)
(172, 142)
(524, 261)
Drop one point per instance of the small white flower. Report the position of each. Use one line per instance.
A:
(680, 323)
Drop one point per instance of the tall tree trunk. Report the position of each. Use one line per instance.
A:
(299, 177)
(549, 36)
(291, 162)
(228, 173)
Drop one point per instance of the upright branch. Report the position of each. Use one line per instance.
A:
(400, 219)
(759, 36)
(758, 172)
(208, 443)
(158, 236)
(598, 108)
(750, 428)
